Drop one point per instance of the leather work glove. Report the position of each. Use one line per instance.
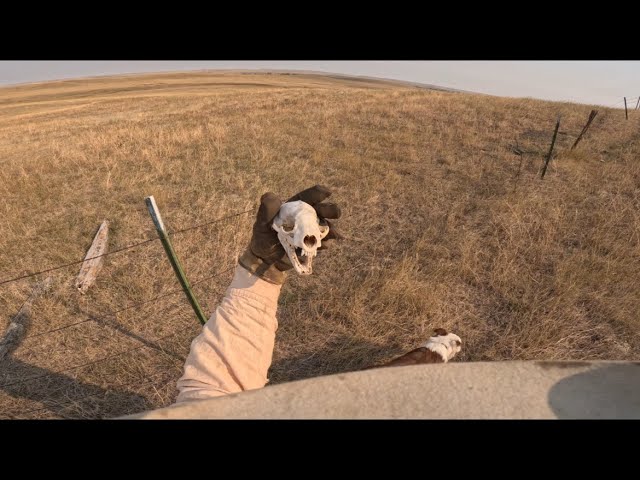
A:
(265, 257)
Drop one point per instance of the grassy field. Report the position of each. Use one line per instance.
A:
(445, 226)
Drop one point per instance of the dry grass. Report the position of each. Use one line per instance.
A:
(442, 230)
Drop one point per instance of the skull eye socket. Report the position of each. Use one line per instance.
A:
(287, 227)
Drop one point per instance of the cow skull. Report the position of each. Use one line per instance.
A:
(300, 232)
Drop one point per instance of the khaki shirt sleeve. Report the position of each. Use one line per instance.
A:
(234, 351)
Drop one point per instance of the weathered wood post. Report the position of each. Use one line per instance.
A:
(90, 268)
(592, 115)
(553, 142)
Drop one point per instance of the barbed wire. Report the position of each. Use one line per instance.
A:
(210, 222)
(77, 262)
(621, 102)
(130, 209)
(117, 327)
(118, 386)
(148, 343)
(122, 249)
(104, 316)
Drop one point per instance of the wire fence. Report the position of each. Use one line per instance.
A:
(621, 102)
(119, 250)
(49, 403)
(149, 343)
(106, 317)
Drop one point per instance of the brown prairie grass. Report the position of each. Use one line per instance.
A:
(445, 226)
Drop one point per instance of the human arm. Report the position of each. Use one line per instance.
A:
(233, 352)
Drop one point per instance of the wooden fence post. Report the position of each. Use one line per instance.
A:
(553, 142)
(592, 115)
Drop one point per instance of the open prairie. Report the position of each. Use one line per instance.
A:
(444, 224)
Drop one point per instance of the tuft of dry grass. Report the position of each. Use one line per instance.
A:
(445, 226)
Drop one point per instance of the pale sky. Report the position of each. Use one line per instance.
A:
(595, 82)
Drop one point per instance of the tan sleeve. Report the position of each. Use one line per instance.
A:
(234, 351)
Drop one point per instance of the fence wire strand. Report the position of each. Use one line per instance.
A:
(105, 316)
(122, 249)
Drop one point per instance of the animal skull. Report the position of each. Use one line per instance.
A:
(300, 232)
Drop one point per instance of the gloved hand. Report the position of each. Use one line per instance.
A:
(265, 257)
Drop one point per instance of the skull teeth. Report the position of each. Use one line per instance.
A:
(296, 223)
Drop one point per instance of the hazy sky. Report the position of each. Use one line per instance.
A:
(597, 82)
